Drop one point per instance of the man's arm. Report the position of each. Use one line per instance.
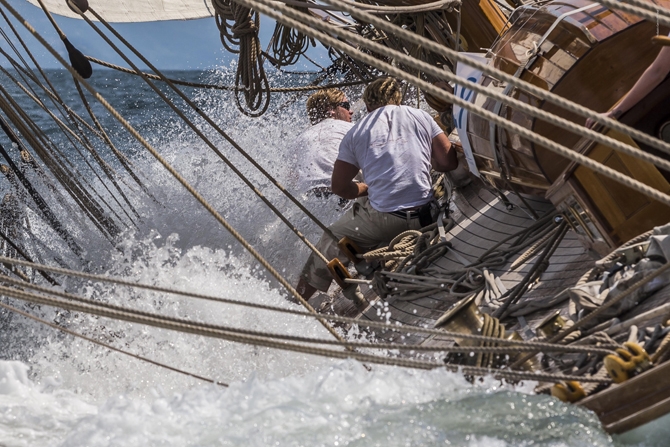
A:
(649, 80)
(342, 182)
(443, 156)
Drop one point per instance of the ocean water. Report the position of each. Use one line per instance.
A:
(56, 390)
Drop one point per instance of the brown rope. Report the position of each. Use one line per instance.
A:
(238, 26)
(111, 348)
(154, 77)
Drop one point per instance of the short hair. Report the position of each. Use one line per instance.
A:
(319, 104)
(382, 92)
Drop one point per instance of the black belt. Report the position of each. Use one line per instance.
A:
(406, 214)
(423, 213)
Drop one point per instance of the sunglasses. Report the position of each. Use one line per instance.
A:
(345, 105)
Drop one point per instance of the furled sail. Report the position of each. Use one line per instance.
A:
(137, 10)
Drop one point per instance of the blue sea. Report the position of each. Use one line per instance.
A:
(58, 390)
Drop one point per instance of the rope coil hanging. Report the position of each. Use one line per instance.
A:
(239, 27)
(289, 44)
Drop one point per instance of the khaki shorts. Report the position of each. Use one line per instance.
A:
(364, 225)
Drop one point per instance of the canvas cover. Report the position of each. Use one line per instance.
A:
(137, 10)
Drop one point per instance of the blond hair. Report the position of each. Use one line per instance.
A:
(320, 104)
(382, 92)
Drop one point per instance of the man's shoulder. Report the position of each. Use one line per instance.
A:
(414, 111)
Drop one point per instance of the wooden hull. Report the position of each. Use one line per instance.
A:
(633, 403)
(591, 57)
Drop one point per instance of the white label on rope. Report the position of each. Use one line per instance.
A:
(440, 227)
(460, 114)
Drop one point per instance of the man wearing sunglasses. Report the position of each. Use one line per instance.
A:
(316, 148)
(394, 146)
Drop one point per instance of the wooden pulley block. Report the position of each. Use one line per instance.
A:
(661, 40)
(570, 391)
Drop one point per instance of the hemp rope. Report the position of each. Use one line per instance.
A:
(469, 277)
(241, 37)
(224, 87)
(169, 168)
(442, 94)
(234, 335)
(10, 8)
(288, 45)
(505, 77)
(375, 324)
(662, 349)
(111, 348)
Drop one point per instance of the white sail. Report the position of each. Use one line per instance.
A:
(137, 10)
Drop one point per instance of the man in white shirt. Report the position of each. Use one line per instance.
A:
(316, 148)
(394, 146)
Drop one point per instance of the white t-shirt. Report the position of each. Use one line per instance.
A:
(316, 150)
(392, 146)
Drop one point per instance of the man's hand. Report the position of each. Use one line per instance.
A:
(342, 182)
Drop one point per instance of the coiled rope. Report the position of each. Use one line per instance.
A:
(238, 26)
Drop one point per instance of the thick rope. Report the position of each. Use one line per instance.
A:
(234, 335)
(539, 267)
(458, 282)
(363, 323)
(238, 26)
(154, 77)
(106, 346)
(170, 169)
(588, 318)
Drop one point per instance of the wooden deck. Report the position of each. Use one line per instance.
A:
(482, 220)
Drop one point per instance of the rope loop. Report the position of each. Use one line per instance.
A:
(238, 26)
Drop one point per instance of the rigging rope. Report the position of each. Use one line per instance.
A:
(216, 128)
(244, 336)
(55, 97)
(154, 77)
(503, 76)
(211, 145)
(238, 26)
(106, 346)
(361, 323)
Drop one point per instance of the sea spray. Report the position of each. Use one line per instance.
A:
(338, 405)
